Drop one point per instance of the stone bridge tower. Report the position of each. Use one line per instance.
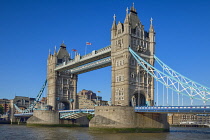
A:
(131, 85)
(62, 86)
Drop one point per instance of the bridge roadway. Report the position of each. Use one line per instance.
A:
(80, 64)
(73, 114)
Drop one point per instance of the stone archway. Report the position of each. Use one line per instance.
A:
(63, 106)
(138, 99)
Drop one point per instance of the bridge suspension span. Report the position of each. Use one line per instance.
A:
(31, 107)
(173, 80)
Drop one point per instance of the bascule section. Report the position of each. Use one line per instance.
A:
(131, 85)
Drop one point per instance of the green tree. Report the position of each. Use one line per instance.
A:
(90, 116)
(1, 109)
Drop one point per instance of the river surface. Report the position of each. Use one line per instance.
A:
(23, 132)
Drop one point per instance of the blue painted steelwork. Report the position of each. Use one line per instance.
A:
(24, 114)
(174, 109)
(31, 107)
(172, 80)
(69, 113)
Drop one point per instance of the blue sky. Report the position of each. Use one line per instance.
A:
(29, 28)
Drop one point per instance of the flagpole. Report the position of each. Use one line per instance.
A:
(85, 48)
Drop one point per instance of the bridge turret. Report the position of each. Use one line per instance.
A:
(63, 55)
(130, 86)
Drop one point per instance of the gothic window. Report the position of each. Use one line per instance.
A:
(132, 75)
(134, 41)
(137, 42)
(132, 62)
(119, 31)
(122, 41)
(117, 79)
(137, 32)
(117, 63)
(64, 81)
(120, 63)
(117, 93)
(119, 41)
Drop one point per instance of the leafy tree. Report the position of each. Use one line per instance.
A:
(1, 109)
(90, 116)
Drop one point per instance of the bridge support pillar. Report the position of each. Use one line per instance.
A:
(124, 117)
(45, 117)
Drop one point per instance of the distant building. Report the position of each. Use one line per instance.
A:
(176, 119)
(41, 104)
(5, 103)
(89, 99)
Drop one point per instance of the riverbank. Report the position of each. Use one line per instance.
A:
(4, 122)
(191, 125)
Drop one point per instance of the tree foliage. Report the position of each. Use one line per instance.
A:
(1, 109)
(90, 116)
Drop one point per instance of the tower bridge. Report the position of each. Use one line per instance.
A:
(131, 56)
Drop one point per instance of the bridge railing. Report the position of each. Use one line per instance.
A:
(174, 109)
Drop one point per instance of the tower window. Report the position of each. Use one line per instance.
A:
(119, 31)
(132, 75)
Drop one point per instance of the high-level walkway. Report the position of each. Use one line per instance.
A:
(95, 60)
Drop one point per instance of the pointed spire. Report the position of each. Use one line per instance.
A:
(127, 16)
(151, 29)
(114, 17)
(49, 52)
(114, 26)
(55, 50)
(151, 21)
(127, 10)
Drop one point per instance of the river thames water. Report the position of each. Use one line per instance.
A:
(23, 132)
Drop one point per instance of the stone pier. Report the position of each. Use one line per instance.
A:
(45, 117)
(125, 117)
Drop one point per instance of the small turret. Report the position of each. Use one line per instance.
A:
(114, 27)
(151, 29)
(152, 38)
(63, 45)
(133, 10)
(55, 53)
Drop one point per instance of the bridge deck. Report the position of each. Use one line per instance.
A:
(174, 109)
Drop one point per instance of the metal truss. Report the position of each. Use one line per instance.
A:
(173, 80)
(31, 107)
